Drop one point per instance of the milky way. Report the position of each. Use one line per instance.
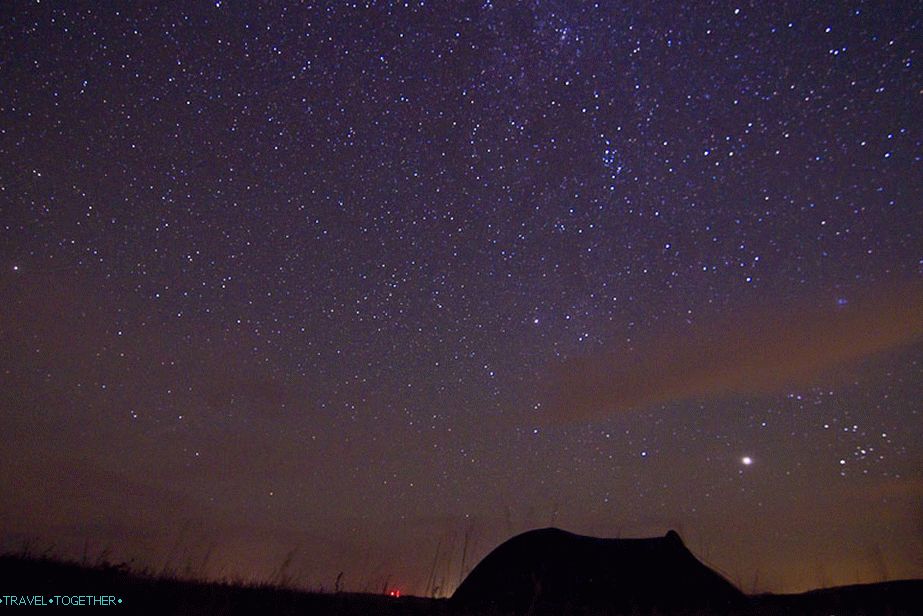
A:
(353, 282)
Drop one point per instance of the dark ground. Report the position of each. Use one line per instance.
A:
(163, 595)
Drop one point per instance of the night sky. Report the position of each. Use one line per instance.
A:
(344, 284)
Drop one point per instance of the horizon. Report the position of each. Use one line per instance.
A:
(369, 289)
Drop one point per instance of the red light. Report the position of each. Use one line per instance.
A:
(394, 593)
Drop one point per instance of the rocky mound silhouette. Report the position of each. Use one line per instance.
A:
(543, 571)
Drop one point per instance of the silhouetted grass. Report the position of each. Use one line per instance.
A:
(143, 592)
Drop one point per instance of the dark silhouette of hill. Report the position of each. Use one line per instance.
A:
(542, 571)
(41, 579)
(163, 595)
(893, 598)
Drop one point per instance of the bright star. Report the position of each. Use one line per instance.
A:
(746, 460)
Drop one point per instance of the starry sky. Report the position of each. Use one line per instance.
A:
(290, 290)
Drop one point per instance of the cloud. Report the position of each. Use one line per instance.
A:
(749, 351)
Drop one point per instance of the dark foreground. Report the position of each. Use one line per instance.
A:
(49, 581)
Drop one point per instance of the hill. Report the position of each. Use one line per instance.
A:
(43, 579)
